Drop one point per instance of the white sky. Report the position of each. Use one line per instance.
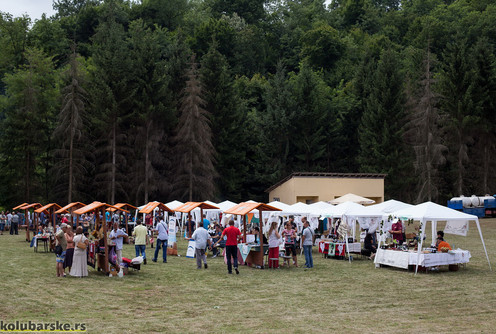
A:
(34, 8)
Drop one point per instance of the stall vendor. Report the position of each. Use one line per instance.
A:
(397, 231)
(440, 243)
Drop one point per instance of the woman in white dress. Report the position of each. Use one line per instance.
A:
(79, 261)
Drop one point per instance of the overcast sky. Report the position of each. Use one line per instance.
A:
(34, 8)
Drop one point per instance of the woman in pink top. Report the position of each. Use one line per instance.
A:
(289, 236)
(69, 236)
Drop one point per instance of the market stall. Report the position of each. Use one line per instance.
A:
(69, 208)
(26, 209)
(252, 253)
(457, 223)
(102, 248)
(188, 207)
(123, 206)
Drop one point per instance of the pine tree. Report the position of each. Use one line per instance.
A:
(456, 85)
(72, 158)
(382, 148)
(222, 104)
(310, 121)
(424, 132)
(195, 173)
(29, 116)
(484, 63)
(111, 97)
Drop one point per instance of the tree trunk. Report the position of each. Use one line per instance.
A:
(113, 172)
(71, 147)
(147, 161)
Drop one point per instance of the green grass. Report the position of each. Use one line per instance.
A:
(177, 298)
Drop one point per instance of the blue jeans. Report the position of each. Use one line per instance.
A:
(307, 250)
(140, 250)
(162, 243)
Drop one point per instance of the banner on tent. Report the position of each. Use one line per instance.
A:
(456, 227)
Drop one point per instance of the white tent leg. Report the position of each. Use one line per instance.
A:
(419, 245)
(483, 244)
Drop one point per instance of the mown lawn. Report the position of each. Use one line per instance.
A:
(335, 296)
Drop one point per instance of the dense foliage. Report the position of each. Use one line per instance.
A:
(137, 100)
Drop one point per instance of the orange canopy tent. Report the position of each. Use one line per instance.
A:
(97, 208)
(243, 209)
(19, 206)
(69, 208)
(26, 217)
(190, 206)
(125, 206)
(50, 209)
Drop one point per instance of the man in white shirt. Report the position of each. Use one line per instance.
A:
(117, 236)
(201, 238)
(162, 238)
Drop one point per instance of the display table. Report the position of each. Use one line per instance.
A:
(402, 259)
(338, 248)
(44, 240)
(254, 257)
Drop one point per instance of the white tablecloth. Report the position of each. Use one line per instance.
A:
(401, 259)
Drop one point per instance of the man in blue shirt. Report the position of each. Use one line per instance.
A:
(162, 238)
(206, 222)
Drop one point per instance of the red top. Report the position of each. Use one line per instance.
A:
(232, 233)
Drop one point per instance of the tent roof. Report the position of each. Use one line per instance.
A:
(280, 205)
(94, 206)
(434, 212)
(154, 205)
(298, 208)
(70, 205)
(352, 198)
(46, 207)
(189, 206)
(19, 206)
(174, 204)
(30, 206)
(346, 208)
(226, 205)
(245, 207)
(119, 206)
(321, 208)
(390, 206)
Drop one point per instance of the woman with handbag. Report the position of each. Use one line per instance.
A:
(79, 261)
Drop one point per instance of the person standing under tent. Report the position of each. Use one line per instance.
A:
(117, 235)
(201, 238)
(397, 231)
(162, 239)
(274, 237)
(233, 236)
(140, 233)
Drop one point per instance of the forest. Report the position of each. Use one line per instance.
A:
(133, 101)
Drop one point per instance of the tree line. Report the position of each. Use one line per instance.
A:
(125, 101)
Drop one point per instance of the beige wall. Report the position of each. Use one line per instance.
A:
(300, 188)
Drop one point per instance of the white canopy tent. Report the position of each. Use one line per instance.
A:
(390, 206)
(433, 212)
(174, 204)
(352, 198)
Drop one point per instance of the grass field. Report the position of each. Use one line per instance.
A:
(335, 296)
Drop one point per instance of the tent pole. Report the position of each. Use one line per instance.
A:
(483, 244)
(419, 245)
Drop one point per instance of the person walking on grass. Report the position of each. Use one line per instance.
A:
(140, 234)
(201, 238)
(233, 235)
(307, 239)
(162, 238)
(3, 222)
